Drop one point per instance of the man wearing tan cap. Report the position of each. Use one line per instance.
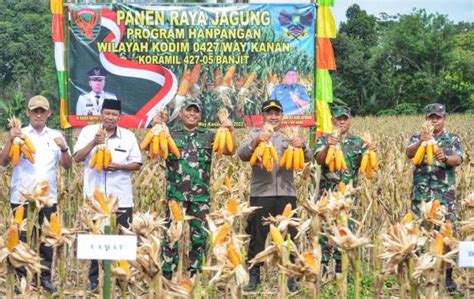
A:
(51, 148)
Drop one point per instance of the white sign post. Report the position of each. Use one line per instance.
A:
(106, 247)
(466, 254)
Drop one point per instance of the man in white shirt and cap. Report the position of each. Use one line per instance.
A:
(51, 150)
(91, 103)
(116, 180)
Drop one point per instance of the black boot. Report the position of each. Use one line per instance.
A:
(254, 279)
(292, 285)
(450, 284)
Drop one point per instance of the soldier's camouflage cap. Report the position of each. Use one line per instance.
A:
(189, 103)
(341, 110)
(435, 108)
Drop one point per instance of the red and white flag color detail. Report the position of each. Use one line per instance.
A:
(130, 68)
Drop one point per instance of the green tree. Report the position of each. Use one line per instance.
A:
(27, 56)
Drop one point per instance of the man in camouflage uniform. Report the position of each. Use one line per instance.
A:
(353, 149)
(438, 181)
(352, 146)
(188, 183)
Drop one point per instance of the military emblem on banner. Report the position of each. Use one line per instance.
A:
(296, 25)
(85, 24)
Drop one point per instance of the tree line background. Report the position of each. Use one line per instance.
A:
(386, 65)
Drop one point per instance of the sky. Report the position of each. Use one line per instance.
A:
(457, 10)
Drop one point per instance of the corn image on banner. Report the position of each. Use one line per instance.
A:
(157, 56)
(326, 29)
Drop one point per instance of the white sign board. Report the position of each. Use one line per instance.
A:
(106, 247)
(466, 254)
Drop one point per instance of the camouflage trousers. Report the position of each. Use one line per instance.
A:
(447, 198)
(198, 238)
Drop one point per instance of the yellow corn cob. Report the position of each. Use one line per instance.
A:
(148, 137)
(107, 158)
(287, 211)
(194, 78)
(273, 153)
(222, 140)
(343, 163)
(228, 141)
(249, 80)
(447, 229)
(124, 265)
(434, 207)
(184, 85)
(12, 237)
(186, 284)
(373, 160)
(222, 233)
(29, 144)
(232, 205)
(342, 187)
(408, 218)
(233, 255)
(163, 144)
(364, 163)
(330, 155)
(331, 165)
(310, 261)
(289, 158)
(19, 213)
(217, 140)
(368, 170)
(283, 159)
(99, 197)
(155, 147)
(55, 226)
(439, 244)
(276, 235)
(261, 148)
(15, 153)
(26, 152)
(175, 209)
(228, 76)
(301, 159)
(266, 156)
(339, 157)
(93, 160)
(420, 152)
(99, 164)
(173, 148)
(296, 159)
(429, 154)
(253, 158)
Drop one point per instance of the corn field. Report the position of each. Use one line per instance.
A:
(386, 254)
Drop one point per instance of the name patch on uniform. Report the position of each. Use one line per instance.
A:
(120, 150)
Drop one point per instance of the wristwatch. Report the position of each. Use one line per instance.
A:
(64, 150)
(445, 159)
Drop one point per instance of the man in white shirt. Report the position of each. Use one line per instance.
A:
(91, 103)
(51, 148)
(116, 179)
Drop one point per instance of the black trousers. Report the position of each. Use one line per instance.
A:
(258, 232)
(124, 218)
(46, 252)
